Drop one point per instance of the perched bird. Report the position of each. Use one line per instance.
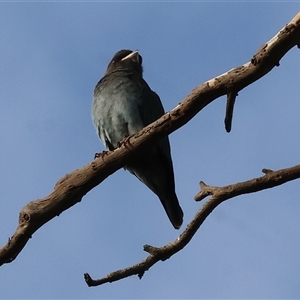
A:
(123, 104)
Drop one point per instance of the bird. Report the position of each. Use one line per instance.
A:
(123, 104)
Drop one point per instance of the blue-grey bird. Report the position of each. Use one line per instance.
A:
(123, 104)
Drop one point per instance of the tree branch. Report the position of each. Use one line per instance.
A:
(231, 96)
(219, 195)
(72, 187)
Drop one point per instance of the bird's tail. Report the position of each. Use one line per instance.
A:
(173, 210)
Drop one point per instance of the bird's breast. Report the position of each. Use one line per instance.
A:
(116, 109)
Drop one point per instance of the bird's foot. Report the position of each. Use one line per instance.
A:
(99, 154)
(124, 142)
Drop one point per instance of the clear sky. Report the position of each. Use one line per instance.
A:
(53, 54)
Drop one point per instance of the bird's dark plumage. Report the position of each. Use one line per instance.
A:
(123, 104)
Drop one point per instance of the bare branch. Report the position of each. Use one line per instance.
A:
(72, 187)
(219, 195)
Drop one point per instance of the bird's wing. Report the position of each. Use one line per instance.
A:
(151, 110)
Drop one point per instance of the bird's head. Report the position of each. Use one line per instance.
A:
(126, 59)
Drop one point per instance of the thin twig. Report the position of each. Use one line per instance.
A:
(218, 195)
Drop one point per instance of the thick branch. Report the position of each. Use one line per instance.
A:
(219, 195)
(71, 188)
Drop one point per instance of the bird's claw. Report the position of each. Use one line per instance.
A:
(124, 141)
(99, 154)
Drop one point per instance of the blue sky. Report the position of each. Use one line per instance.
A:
(52, 55)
